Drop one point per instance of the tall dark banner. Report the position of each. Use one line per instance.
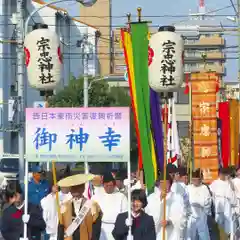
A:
(219, 141)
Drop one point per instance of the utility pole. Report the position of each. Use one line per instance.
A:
(110, 37)
(85, 84)
(20, 84)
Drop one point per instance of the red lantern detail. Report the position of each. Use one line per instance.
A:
(150, 55)
(60, 55)
(27, 56)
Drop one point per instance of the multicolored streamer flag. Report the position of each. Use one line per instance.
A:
(157, 128)
(136, 56)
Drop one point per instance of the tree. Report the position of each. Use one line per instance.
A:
(100, 95)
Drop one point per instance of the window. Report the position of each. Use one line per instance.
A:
(181, 97)
(9, 165)
(183, 129)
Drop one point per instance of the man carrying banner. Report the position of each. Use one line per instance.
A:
(80, 219)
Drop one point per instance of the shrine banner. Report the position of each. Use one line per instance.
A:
(234, 131)
(204, 117)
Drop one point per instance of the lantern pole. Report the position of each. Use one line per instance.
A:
(21, 86)
(85, 83)
(165, 96)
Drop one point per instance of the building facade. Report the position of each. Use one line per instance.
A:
(71, 32)
(204, 53)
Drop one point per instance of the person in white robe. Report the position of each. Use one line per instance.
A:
(224, 200)
(112, 202)
(236, 183)
(200, 204)
(119, 178)
(176, 217)
(179, 186)
(50, 213)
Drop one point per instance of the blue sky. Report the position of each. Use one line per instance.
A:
(173, 7)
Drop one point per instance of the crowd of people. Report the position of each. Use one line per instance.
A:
(95, 207)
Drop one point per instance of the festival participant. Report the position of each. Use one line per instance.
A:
(224, 200)
(236, 183)
(176, 218)
(180, 185)
(13, 218)
(172, 170)
(38, 188)
(200, 203)
(119, 178)
(81, 217)
(112, 202)
(96, 183)
(50, 212)
(142, 224)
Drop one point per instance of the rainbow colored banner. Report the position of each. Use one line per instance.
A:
(135, 45)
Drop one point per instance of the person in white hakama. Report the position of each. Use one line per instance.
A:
(176, 219)
(200, 203)
(50, 214)
(224, 200)
(111, 202)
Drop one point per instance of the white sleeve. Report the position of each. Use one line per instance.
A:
(178, 215)
(207, 201)
(124, 204)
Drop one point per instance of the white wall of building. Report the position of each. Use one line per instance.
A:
(70, 32)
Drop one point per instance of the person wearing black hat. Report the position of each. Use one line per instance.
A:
(224, 199)
(180, 187)
(142, 224)
(172, 170)
(119, 178)
(112, 202)
(176, 216)
(200, 203)
(181, 182)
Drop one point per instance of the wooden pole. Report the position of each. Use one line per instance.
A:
(165, 166)
(190, 136)
(57, 196)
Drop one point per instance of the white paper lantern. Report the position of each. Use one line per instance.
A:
(166, 68)
(43, 59)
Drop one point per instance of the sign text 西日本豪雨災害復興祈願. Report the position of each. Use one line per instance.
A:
(75, 134)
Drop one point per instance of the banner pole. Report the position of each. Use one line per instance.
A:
(165, 165)
(25, 227)
(57, 195)
(129, 201)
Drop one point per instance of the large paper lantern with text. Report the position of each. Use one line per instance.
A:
(43, 59)
(166, 67)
